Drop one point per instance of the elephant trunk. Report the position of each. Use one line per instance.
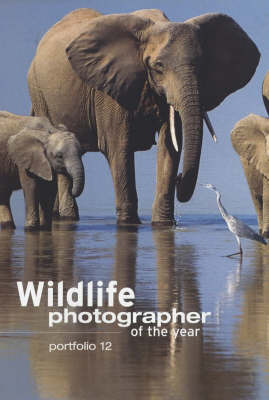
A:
(75, 170)
(191, 113)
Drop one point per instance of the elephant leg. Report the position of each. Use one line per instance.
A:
(167, 167)
(6, 218)
(255, 184)
(258, 204)
(55, 212)
(123, 174)
(115, 136)
(29, 187)
(265, 198)
(46, 193)
(68, 209)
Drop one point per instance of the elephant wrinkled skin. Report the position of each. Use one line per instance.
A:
(32, 151)
(250, 139)
(116, 79)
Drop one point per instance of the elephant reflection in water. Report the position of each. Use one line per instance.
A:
(38, 256)
(145, 367)
(251, 332)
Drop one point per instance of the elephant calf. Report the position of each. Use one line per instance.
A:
(250, 139)
(32, 151)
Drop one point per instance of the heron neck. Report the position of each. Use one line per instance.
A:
(223, 211)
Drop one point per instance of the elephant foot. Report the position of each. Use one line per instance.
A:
(164, 223)
(163, 211)
(67, 213)
(127, 216)
(128, 221)
(7, 225)
(72, 215)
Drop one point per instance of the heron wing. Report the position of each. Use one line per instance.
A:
(241, 229)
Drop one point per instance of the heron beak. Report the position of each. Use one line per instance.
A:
(210, 127)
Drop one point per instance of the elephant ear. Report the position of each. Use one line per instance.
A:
(249, 141)
(107, 57)
(230, 57)
(28, 153)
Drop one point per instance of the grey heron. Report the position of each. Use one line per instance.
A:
(235, 225)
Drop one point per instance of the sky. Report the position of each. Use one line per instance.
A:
(23, 23)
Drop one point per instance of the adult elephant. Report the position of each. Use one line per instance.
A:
(115, 79)
(250, 139)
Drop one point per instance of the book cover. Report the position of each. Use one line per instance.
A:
(105, 307)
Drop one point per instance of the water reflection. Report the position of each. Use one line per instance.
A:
(163, 270)
(252, 337)
(232, 287)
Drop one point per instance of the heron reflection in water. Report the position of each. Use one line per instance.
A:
(237, 227)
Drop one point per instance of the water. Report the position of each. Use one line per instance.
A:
(183, 267)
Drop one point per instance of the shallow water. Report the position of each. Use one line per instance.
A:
(183, 267)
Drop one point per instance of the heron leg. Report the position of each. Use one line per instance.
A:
(239, 244)
(240, 248)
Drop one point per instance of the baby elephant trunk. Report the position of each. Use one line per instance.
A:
(75, 170)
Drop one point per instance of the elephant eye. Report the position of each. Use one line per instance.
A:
(158, 67)
(59, 155)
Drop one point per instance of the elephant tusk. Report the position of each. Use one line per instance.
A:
(172, 127)
(210, 127)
